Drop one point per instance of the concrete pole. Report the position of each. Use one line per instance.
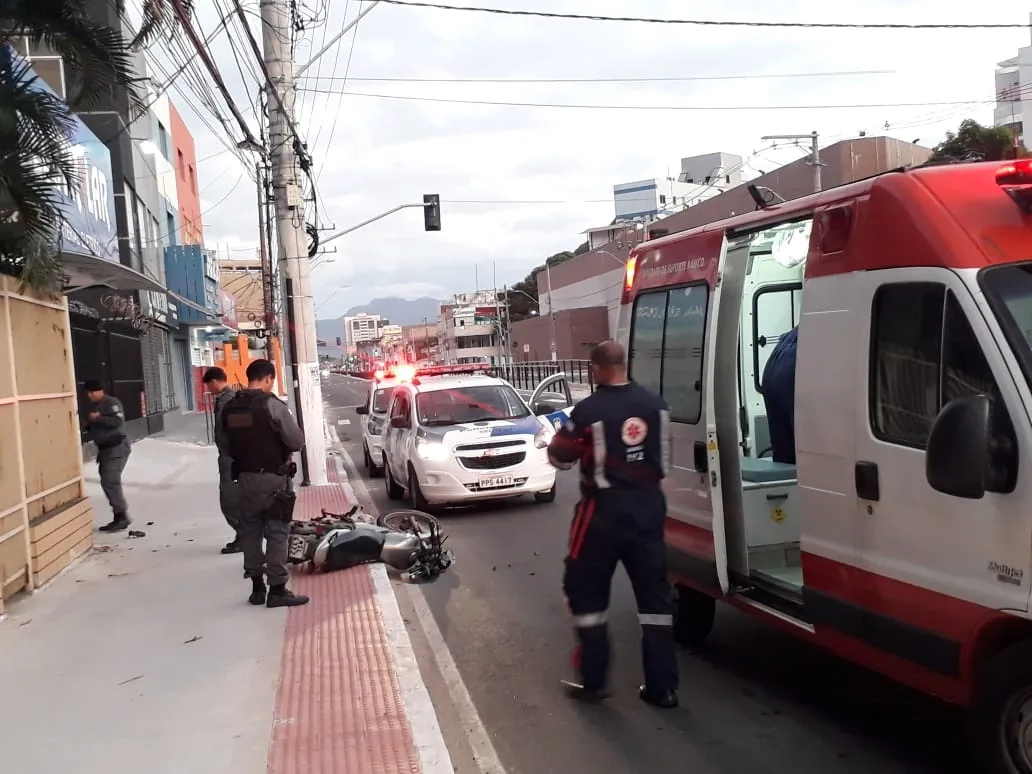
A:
(816, 149)
(289, 211)
(551, 310)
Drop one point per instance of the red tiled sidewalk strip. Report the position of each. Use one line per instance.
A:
(338, 707)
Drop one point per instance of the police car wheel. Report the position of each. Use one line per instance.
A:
(1000, 714)
(415, 493)
(545, 497)
(693, 617)
(394, 492)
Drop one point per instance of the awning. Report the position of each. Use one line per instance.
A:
(83, 271)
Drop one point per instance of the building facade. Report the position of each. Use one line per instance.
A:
(469, 329)
(188, 197)
(701, 177)
(362, 331)
(595, 279)
(1014, 94)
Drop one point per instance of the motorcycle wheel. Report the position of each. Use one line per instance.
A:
(404, 521)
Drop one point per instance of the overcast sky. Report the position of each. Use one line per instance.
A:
(520, 183)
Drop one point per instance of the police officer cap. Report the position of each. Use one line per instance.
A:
(214, 374)
(92, 385)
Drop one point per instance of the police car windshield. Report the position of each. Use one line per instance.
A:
(478, 403)
(382, 399)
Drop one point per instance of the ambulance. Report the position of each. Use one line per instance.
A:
(901, 538)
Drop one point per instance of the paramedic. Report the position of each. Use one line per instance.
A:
(778, 388)
(262, 435)
(105, 426)
(216, 383)
(620, 435)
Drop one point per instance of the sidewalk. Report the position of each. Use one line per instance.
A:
(145, 655)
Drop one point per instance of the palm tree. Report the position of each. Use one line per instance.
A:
(36, 163)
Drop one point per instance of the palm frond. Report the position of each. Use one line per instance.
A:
(37, 169)
(159, 16)
(98, 58)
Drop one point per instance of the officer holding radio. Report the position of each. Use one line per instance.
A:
(262, 435)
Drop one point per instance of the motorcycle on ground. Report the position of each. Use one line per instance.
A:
(408, 542)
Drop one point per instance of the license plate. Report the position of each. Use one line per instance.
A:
(494, 482)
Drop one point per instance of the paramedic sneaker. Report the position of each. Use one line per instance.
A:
(587, 695)
(281, 596)
(257, 592)
(662, 699)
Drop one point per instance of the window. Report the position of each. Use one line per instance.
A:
(170, 224)
(469, 404)
(666, 347)
(193, 179)
(382, 399)
(662, 198)
(924, 354)
(776, 311)
(400, 407)
(181, 165)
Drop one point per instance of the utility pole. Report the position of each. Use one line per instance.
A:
(815, 153)
(268, 292)
(289, 206)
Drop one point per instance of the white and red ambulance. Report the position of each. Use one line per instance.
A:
(902, 537)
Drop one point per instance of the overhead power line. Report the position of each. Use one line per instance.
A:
(570, 106)
(640, 79)
(712, 22)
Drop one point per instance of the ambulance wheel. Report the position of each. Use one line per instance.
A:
(415, 493)
(1000, 715)
(394, 491)
(545, 497)
(693, 617)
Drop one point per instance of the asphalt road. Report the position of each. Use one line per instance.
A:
(754, 700)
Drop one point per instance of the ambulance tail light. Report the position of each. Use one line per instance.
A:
(632, 264)
(1015, 178)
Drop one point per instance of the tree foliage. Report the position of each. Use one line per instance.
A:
(974, 142)
(37, 163)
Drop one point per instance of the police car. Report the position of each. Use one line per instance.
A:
(456, 435)
(375, 409)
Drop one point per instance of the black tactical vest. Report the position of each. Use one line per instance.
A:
(254, 446)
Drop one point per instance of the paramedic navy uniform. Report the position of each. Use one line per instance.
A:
(621, 436)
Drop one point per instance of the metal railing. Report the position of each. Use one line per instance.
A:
(527, 376)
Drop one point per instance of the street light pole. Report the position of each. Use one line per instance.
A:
(289, 206)
(551, 309)
(815, 153)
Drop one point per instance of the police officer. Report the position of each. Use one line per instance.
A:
(105, 426)
(262, 435)
(778, 388)
(620, 435)
(216, 383)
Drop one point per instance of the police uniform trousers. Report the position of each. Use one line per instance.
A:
(625, 527)
(111, 461)
(229, 498)
(255, 497)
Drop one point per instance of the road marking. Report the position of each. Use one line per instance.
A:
(343, 421)
(484, 752)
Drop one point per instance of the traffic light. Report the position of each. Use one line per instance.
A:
(431, 212)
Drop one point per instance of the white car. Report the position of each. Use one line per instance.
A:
(374, 413)
(456, 438)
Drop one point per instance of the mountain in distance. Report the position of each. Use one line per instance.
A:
(399, 311)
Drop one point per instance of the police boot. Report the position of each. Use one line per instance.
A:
(663, 699)
(257, 592)
(119, 523)
(281, 596)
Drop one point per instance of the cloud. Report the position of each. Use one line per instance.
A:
(490, 164)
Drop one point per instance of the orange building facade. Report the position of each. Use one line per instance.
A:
(184, 159)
